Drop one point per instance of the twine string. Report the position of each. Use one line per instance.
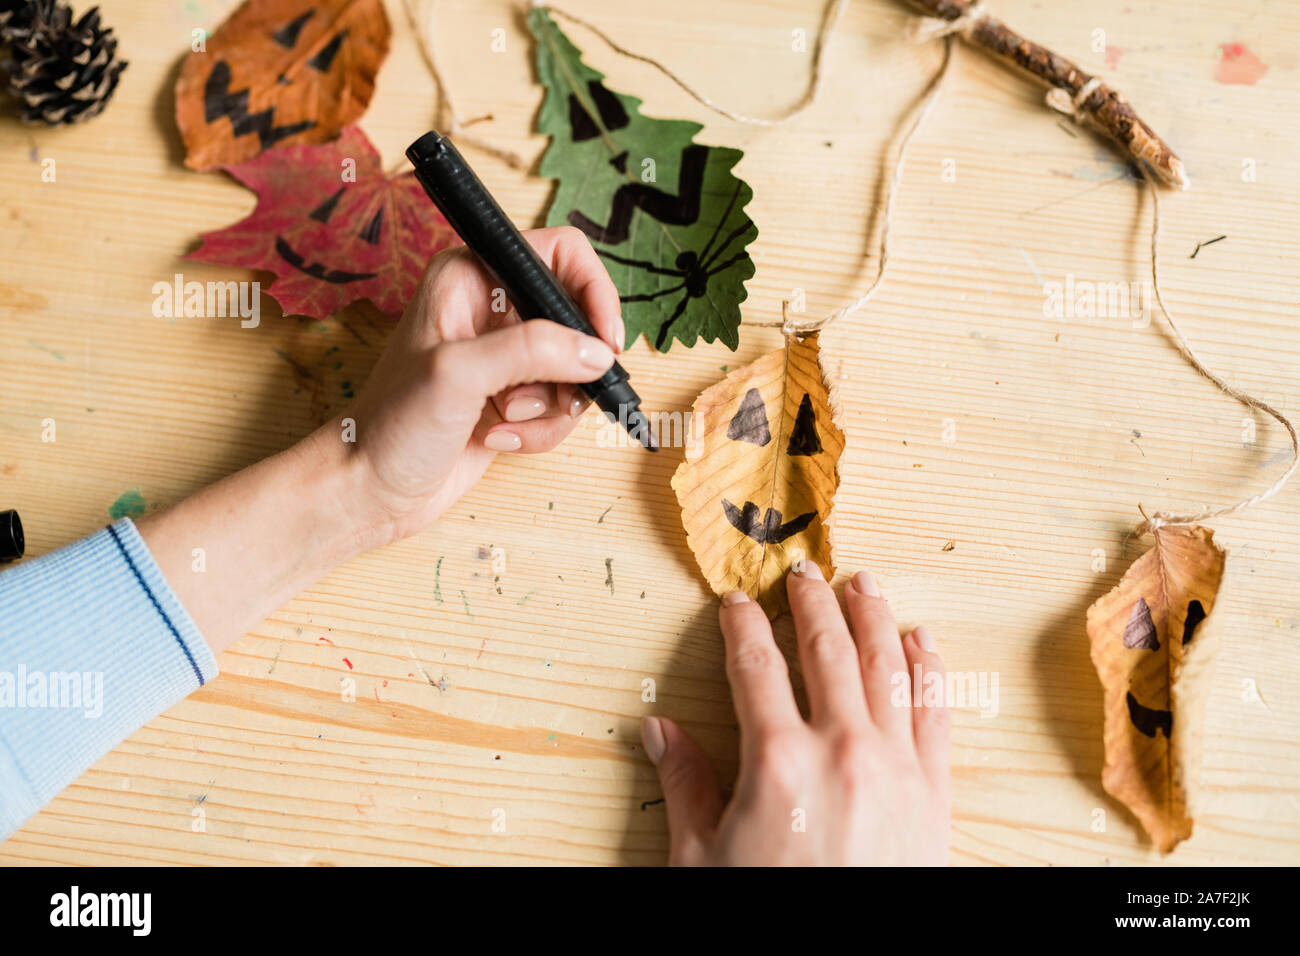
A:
(1163, 518)
(792, 326)
(922, 30)
(454, 124)
(830, 24)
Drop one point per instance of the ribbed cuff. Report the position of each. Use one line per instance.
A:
(93, 644)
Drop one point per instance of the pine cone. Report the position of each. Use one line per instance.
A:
(13, 13)
(63, 72)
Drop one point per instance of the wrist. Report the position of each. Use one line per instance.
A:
(266, 533)
(347, 520)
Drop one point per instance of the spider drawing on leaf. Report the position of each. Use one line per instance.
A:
(694, 269)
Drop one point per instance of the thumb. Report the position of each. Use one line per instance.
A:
(535, 351)
(691, 791)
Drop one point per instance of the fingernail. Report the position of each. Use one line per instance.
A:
(595, 354)
(524, 409)
(808, 569)
(652, 738)
(866, 584)
(578, 405)
(923, 638)
(734, 597)
(502, 441)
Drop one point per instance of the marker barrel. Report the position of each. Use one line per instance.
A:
(504, 252)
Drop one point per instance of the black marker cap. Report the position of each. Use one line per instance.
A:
(12, 542)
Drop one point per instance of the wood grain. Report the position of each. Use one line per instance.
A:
(519, 692)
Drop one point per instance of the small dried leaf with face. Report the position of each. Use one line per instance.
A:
(279, 72)
(757, 494)
(1153, 641)
(331, 242)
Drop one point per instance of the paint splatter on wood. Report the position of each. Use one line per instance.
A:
(130, 504)
(1238, 66)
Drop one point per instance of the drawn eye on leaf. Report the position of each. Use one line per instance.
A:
(759, 493)
(665, 213)
(278, 72)
(329, 242)
(1153, 644)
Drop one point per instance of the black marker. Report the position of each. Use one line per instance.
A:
(533, 288)
(12, 543)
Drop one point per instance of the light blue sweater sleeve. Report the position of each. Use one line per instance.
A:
(93, 644)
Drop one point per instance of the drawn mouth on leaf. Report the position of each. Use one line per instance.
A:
(317, 270)
(768, 530)
(219, 101)
(371, 233)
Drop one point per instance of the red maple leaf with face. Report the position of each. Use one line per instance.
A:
(332, 227)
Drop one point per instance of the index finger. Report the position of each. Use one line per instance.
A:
(579, 268)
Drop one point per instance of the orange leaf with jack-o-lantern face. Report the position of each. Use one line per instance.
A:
(279, 71)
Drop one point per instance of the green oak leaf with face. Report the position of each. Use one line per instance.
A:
(666, 214)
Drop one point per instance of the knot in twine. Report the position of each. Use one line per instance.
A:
(1061, 101)
(1149, 524)
(932, 28)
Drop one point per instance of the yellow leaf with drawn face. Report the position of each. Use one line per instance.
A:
(756, 493)
(1153, 640)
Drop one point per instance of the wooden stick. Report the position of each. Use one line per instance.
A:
(1073, 91)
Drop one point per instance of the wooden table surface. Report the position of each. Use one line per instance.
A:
(485, 690)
